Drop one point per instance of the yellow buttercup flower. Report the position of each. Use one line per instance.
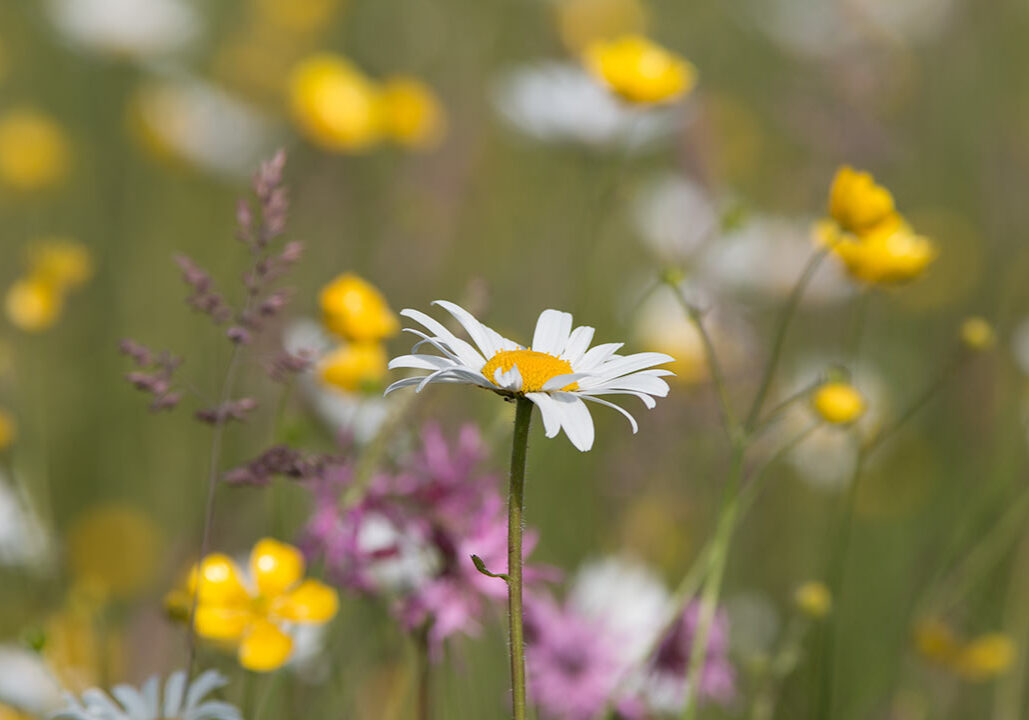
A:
(61, 262)
(839, 403)
(411, 113)
(334, 104)
(249, 611)
(354, 309)
(582, 22)
(114, 548)
(8, 429)
(355, 366)
(857, 203)
(985, 656)
(34, 152)
(639, 70)
(33, 304)
(890, 254)
(813, 599)
(977, 334)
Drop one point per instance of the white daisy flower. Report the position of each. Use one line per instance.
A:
(182, 700)
(133, 28)
(557, 372)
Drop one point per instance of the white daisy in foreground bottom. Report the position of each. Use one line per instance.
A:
(182, 700)
(557, 372)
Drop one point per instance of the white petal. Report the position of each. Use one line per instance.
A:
(406, 382)
(457, 372)
(619, 408)
(510, 380)
(435, 342)
(208, 681)
(420, 362)
(476, 330)
(552, 331)
(151, 692)
(98, 703)
(174, 690)
(214, 710)
(548, 411)
(631, 363)
(578, 342)
(639, 383)
(596, 355)
(647, 400)
(559, 381)
(467, 354)
(575, 419)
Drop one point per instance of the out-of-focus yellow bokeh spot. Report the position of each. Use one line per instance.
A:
(582, 22)
(355, 310)
(813, 599)
(985, 657)
(78, 653)
(115, 547)
(9, 713)
(33, 305)
(640, 71)
(839, 403)
(354, 366)
(334, 104)
(655, 530)
(34, 151)
(858, 204)
(936, 641)
(887, 255)
(411, 114)
(297, 16)
(977, 334)
(61, 262)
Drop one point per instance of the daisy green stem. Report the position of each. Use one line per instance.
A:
(515, 507)
(788, 311)
(716, 562)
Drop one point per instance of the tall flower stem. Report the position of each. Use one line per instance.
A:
(515, 507)
(424, 674)
(716, 562)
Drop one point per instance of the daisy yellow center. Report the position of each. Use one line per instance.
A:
(536, 368)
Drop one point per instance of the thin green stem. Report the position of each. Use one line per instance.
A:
(515, 509)
(717, 375)
(788, 311)
(713, 585)
(424, 672)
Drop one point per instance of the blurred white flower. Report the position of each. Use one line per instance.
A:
(1020, 345)
(675, 215)
(560, 102)
(134, 28)
(26, 682)
(359, 415)
(625, 598)
(24, 540)
(409, 562)
(182, 699)
(203, 126)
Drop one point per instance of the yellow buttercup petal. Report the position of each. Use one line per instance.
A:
(355, 366)
(310, 602)
(265, 647)
(356, 310)
(857, 203)
(222, 622)
(639, 70)
(221, 582)
(276, 567)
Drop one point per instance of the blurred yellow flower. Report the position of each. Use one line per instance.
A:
(355, 366)
(936, 641)
(582, 22)
(839, 403)
(890, 254)
(977, 334)
(857, 203)
(8, 429)
(639, 70)
(813, 599)
(78, 653)
(249, 612)
(33, 304)
(334, 104)
(34, 152)
(411, 113)
(984, 657)
(61, 262)
(354, 309)
(114, 548)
